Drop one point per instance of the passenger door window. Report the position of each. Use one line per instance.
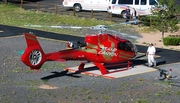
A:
(143, 2)
(136, 2)
(113, 1)
(125, 2)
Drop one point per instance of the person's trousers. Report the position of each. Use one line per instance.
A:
(151, 60)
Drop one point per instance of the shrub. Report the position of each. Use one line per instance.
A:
(171, 40)
(145, 20)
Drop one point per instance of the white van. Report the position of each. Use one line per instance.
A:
(78, 5)
(142, 7)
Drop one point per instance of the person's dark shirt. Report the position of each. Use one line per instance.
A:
(127, 11)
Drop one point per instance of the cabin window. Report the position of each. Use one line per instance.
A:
(126, 46)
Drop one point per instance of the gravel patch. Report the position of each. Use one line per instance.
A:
(53, 85)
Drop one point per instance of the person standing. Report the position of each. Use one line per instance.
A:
(134, 15)
(151, 52)
(127, 14)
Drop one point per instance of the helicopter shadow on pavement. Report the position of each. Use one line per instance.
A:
(56, 74)
(141, 59)
(159, 61)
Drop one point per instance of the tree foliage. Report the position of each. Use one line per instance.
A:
(164, 16)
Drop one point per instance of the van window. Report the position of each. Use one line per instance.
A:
(152, 2)
(136, 2)
(143, 2)
(113, 1)
(125, 2)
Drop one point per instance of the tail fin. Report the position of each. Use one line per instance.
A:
(33, 56)
(31, 40)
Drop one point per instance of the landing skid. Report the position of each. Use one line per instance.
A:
(103, 68)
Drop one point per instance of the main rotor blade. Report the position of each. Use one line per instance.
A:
(101, 28)
(40, 26)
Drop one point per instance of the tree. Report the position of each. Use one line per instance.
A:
(164, 16)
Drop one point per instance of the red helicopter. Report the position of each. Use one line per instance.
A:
(96, 48)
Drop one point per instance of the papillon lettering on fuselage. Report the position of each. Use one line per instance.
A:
(108, 51)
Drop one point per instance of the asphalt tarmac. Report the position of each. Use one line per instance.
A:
(165, 56)
(54, 85)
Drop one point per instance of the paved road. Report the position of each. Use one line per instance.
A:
(165, 56)
(49, 6)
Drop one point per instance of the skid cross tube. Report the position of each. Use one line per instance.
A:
(103, 69)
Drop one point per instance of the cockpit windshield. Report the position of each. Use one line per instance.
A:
(126, 46)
